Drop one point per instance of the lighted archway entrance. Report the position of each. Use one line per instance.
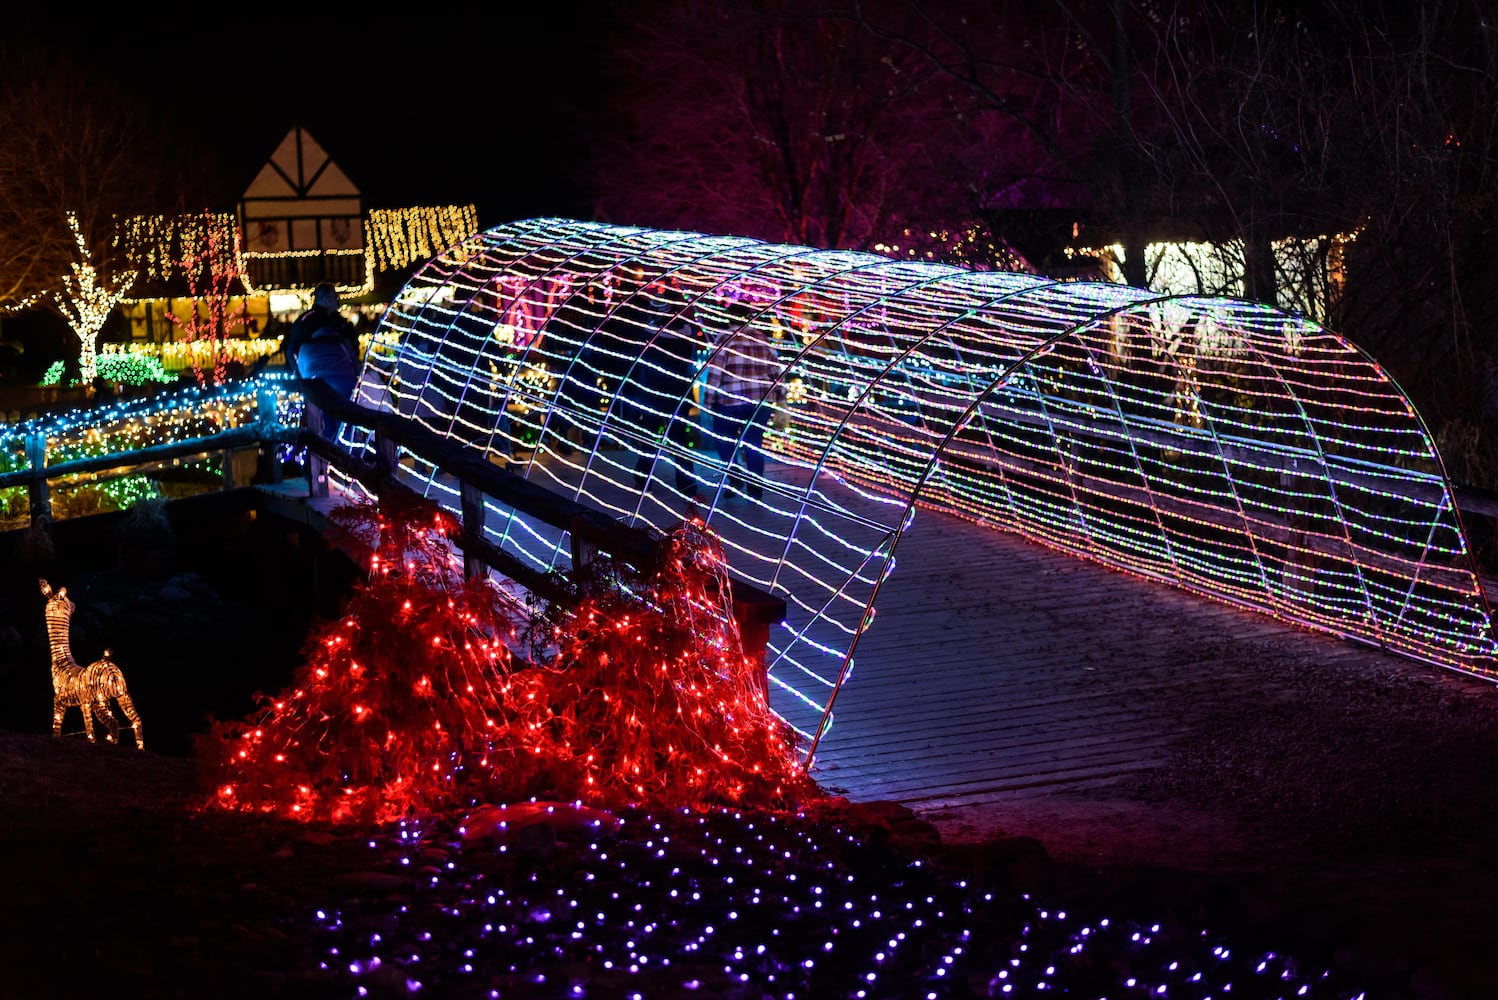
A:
(1211, 444)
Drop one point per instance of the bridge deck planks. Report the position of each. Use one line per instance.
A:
(996, 666)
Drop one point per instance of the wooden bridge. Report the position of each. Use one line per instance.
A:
(995, 671)
(998, 671)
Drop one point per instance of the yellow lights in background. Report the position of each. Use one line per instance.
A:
(90, 689)
(156, 245)
(281, 303)
(394, 238)
(398, 237)
(1310, 270)
(182, 355)
(971, 246)
(344, 288)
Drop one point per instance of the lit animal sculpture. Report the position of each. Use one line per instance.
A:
(91, 688)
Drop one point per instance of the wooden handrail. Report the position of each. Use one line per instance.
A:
(637, 546)
(591, 530)
(754, 610)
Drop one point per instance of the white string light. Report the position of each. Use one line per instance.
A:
(86, 301)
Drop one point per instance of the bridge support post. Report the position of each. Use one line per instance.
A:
(472, 502)
(239, 466)
(38, 494)
(583, 551)
(755, 611)
(317, 466)
(268, 418)
(317, 475)
(386, 457)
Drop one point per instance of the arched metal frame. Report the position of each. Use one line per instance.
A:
(1219, 446)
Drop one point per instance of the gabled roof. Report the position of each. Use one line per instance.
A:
(300, 168)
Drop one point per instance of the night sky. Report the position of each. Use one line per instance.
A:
(462, 106)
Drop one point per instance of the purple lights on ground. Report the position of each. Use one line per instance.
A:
(731, 904)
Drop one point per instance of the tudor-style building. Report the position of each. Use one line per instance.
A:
(301, 221)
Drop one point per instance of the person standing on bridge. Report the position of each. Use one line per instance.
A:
(743, 388)
(661, 399)
(323, 346)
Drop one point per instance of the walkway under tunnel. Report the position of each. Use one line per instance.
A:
(1214, 445)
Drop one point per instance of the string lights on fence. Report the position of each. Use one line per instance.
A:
(126, 426)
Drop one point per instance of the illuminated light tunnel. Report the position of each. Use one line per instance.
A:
(1215, 445)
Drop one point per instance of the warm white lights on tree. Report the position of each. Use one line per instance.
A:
(86, 300)
(400, 237)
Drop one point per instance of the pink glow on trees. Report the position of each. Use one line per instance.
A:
(775, 123)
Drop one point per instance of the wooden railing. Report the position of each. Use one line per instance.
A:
(590, 531)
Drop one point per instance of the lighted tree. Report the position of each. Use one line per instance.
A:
(1234, 125)
(79, 146)
(86, 299)
(208, 257)
(1342, 117)
(1055, 89)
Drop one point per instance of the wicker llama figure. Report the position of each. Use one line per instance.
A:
(91, 688)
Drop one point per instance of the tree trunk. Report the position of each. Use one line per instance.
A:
(1135, 267)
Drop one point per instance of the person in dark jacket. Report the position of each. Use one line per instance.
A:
(323, 346)
(660, 388)
(322, 343)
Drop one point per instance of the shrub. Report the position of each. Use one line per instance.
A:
(415, 698)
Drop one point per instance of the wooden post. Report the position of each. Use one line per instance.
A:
(472, 503)
(240, 466)
(38, 493)
(583, 551)
(317, 466)
(755, 611)
(268, 423)
(387, 457)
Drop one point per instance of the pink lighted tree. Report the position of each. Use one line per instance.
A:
(209, 260)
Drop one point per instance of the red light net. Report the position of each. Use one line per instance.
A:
(424, 694)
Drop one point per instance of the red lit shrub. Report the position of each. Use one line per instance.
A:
(415, 699)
